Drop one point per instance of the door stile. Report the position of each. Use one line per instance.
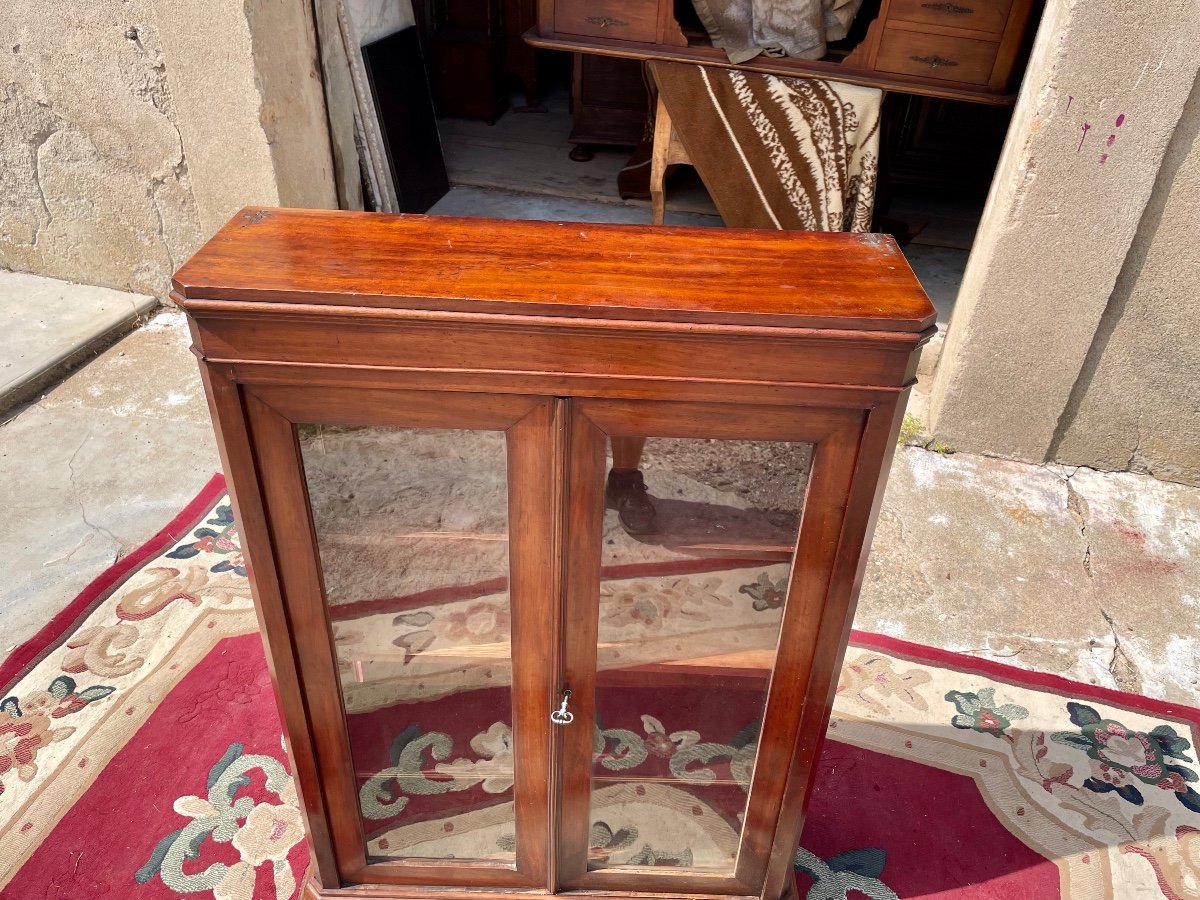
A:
(865, 497)
(229, 413)
(530, 452)
(584, 519)
(557, 620)
(534, 457)
(281, 473)
(805, 610)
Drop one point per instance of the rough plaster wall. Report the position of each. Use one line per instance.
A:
(1061, 217)
(134, 131)
(1137, 405)
(213, 82)
(250, 106)
(94, 186)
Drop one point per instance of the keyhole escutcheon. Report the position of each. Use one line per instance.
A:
(562, 716)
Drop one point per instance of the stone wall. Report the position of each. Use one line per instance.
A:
(1036, 352)
(132, 129)
(1136, 404)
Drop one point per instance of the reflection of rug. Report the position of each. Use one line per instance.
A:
(140, 757)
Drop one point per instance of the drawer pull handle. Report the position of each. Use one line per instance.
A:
(934, 61)
(952, 8)
(560, 716)
(604, 21)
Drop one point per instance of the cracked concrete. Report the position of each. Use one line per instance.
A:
(1057, 569)
(96, 467)
(1065, 570)
(51, 326)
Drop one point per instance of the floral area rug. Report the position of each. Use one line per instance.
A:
(141, 757)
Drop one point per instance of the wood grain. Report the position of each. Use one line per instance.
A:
(789, 278)
(988, 16)
(936, 56)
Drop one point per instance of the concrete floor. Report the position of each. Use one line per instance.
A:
(96, 466)
(528, 152)
(1059, 570)
(496, 203)
(49, 326)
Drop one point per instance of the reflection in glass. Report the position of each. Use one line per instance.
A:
(698, 541)
(412, 528)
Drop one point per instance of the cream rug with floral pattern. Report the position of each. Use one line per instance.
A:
(141, 756)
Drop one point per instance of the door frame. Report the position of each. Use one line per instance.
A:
(254, 414)
(296, 595)
(835, 435)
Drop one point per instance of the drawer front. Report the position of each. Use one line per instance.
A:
(625, 20)
(936, 56)
(977, 15)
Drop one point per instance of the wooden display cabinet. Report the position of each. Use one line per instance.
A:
(415, 416)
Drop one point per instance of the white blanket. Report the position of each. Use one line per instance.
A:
(799, 28)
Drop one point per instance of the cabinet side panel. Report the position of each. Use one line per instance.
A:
(800, 641)
(238, 462)
(874, 458)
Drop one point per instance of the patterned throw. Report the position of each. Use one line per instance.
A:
(782, 153)
(140, 753)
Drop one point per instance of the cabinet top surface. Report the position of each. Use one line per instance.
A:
(578, 270)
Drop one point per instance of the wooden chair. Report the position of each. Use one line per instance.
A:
(667, 150)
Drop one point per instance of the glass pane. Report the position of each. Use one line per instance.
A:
(412, 527)
(698, 541)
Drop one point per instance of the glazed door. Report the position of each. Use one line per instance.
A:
(701, 540)
(413, 535)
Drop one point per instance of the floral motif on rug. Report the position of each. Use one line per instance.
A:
(148, 704)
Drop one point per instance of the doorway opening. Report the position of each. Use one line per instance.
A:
(550, 133)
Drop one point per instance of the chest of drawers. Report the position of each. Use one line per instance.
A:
(968, 44)
(969, 50)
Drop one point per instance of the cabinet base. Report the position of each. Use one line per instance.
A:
(311, 890)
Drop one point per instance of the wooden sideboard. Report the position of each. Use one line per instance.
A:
(970, 50)
(493, 685)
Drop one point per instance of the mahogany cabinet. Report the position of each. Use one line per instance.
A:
(491, 682)
(609, 103)
(466, 45)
